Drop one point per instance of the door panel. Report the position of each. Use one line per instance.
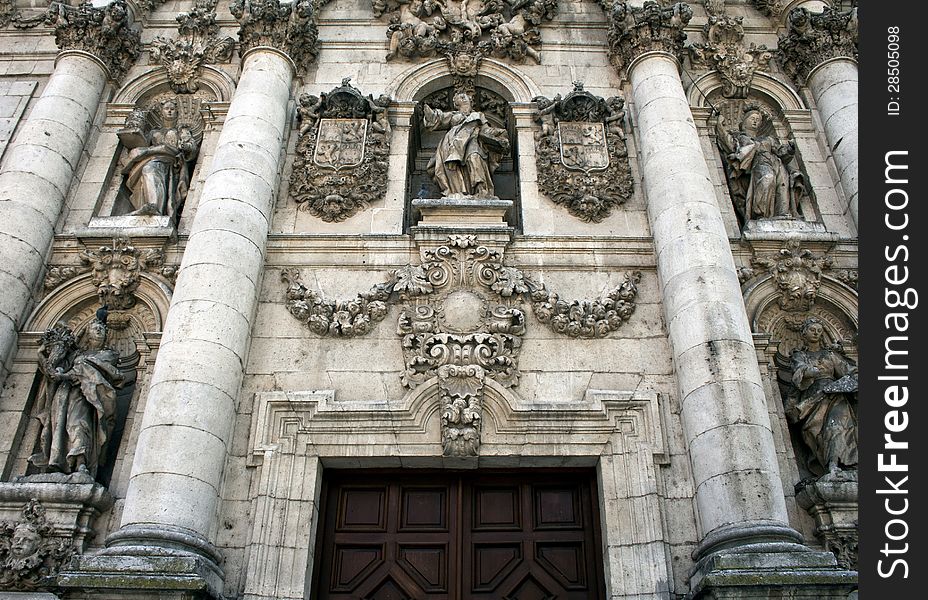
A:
(528, 535)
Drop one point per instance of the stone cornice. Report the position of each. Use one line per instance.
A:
(104, 32)
(634, 30)
(287, 27)
(813, 38)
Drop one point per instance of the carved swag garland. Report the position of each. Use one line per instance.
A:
(342, 153)
(462, 322)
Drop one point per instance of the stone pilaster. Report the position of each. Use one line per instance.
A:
(39, 165)
(172, 500)
(739, 496)
(820, 50)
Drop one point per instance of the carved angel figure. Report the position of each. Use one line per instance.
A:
(821, 399)
(158, 173)
(763, 184)
(410, 33)
(469, 153)
(77, 409)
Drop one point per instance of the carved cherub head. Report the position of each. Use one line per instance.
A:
(25, 541)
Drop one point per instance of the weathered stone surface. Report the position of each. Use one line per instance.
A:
(106, 32)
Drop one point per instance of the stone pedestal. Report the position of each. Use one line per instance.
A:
(439, 218)
(147, 226)
(832, 502)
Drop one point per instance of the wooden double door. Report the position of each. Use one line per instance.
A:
(524, 535)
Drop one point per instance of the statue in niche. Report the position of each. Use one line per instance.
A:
(160, 160)
(821, 399)
(468, 154)
(77, 407)
(763, 182)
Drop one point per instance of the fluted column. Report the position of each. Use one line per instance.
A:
(820, 50)
(173, 496)
(739, 496)
(36, 173)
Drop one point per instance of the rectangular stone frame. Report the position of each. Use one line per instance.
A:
(298, 434)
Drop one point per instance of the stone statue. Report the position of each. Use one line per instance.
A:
(469, 153)
(77, 408)
(158, 172)
(821, 399)
(763, 183)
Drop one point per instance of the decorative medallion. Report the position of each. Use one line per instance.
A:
(30, 554)
(342, 152)
(580, 153)
(462, 322)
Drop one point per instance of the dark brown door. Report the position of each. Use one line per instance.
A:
(449, 536)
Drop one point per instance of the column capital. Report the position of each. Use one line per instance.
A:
(288, 27)
(814, 38)
(635, 30)
(106, 32)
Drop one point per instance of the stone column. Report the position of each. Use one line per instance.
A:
(820, 50)
(41, 161)
(172, 502)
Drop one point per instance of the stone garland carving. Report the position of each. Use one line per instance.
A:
(812, 38)
(198, 43)
(581, 154)
(342, 154)
(162, 140)
(762, 179)
(462, 321)
(287, 26)
(724, 51)
(634, 30)
(477, 28)
(30, 555)
(104, 32)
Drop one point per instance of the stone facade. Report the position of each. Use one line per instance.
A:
(246, 196)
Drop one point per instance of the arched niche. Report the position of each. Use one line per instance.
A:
(421, 80)
(214, 86)
(763, 85)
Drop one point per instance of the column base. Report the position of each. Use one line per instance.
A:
(141, 575)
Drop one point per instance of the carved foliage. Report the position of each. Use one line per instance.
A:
(635, 30)
(287, 26)
(29, 554)
(116, 271)
(724, 50)
(342, 153)
(798, 273)
(581, 154)
(505, 29)
(461, 392)
(105, 32)
(198, 43)
(813, 38)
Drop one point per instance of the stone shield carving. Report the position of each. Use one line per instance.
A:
(580, 153)
(342, 153)
(462, 322)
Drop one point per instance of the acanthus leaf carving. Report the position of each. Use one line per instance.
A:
(813, 38)
(104, 32)
(581, 153)
(30, 553)
(342, 153)
(198, 43)
(461, 321)
(725, 51)
(634, 30)
(289, 27)
(798, 274)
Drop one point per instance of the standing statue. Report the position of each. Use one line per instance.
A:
(77, 408)
(821, 399)
(158, 172)
(762, 181)
(469, 153)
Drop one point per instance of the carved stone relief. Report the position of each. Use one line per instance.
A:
(770, 8)
(30, 554)
(161, 139)
(832, 502)
(724, 50)
(462, 321)
(634, 30)
(474, 28)
(20, 17)
(580, 153)
(198, 43)
(798, 274)
(763, 179)
(342, 153)
(812, 38)
(104, 32)
(287, 26)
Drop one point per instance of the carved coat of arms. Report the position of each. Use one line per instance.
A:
(340, 143)
(580, 152)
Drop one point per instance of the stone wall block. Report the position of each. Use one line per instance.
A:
(678, 255)
(706, 283)
(681, 219)
(199, 361)
(715, 360)
(215, 322)
(203, 280)
(739, 497)
(191, 451)
(723, 402)
(710, 320)
(233, 215)
(198, 406)
(44, 163)
(235, 184)
(170, 498)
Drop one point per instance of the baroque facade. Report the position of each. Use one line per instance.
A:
(414, 299)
